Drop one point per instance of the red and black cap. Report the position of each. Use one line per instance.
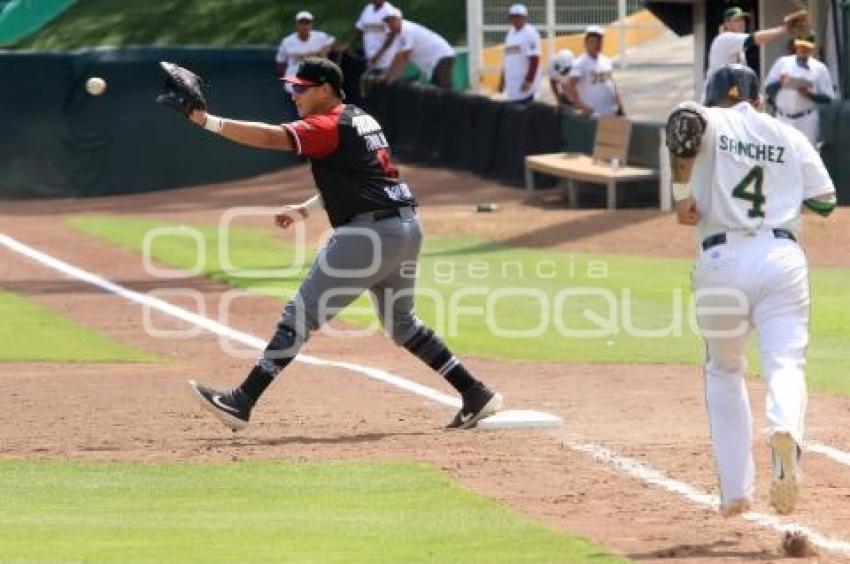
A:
(315, 71)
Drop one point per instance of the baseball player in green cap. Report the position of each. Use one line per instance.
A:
(733, 41)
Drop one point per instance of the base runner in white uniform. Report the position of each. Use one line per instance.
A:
(797, 84)
(749, 175)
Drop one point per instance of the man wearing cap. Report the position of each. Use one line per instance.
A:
(590, 86)
(377, 40)
(731, 44)
(559, 74)
(797, 84)
(374, 246)
(304, 42)
(428, 51)
(520, 71)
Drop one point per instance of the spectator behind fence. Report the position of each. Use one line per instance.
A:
(520, 70)
(432, 54)
(591, 87)
(304, 42)
(796, 84)
(559, 73)
(377, 40)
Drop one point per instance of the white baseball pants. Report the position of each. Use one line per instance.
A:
(754, 281)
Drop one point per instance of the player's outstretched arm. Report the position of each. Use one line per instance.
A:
(765, 36)
(250, 133)
(183, 92)
(796, 24)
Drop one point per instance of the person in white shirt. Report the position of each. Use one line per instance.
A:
(521, 68)
(428, 51)
(377, 40)
(590, 86)
(559, 73)
(733, 41)
(750, 176)
(304, 42)
(797, 84)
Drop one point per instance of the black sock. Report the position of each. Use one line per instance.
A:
(261, 376)
(277, 355)
(256, 382)
(431, 350)
(460, 378)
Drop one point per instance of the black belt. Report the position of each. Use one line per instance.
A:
(797, 115)
(720, 238)
(380, 215)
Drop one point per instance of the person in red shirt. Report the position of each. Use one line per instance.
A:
(374, 247)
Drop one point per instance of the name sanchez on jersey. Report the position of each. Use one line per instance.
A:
(370, 130)
(769, 153)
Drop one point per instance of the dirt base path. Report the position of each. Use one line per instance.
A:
(653, 414)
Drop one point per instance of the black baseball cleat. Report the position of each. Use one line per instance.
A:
(233, 408)
(478, 402)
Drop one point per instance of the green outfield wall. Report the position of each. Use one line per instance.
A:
(57, 140)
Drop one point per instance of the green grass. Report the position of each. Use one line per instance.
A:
(30, 332)
(449, 266)
(262, 511)
(117, 23)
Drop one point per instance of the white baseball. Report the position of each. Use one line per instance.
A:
(95, 86)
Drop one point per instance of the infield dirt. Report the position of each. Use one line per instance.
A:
(652, 413)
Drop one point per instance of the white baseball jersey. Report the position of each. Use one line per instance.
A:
(596, 86)
(293, 50)
(371, 23)
(726, 49)
(753, 172)
(794, 108)
(426, 47)
(520, 44)
(788, 100)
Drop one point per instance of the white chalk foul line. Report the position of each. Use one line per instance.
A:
(830, 452)
(628, 466)
(641, 471)
(216, 327)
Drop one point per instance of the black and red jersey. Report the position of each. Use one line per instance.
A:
(351, 162)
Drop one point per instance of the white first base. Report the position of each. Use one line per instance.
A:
(520, 419)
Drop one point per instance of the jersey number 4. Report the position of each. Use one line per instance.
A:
(755, 178)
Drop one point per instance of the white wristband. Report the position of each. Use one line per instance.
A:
(213, 123)
(681, 191)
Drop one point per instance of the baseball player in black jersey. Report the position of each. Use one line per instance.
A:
(376, 240)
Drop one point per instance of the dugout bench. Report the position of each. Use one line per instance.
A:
(607, 166)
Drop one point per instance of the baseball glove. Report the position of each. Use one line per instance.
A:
(183, 90)
(684, 132)
(798, 24)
